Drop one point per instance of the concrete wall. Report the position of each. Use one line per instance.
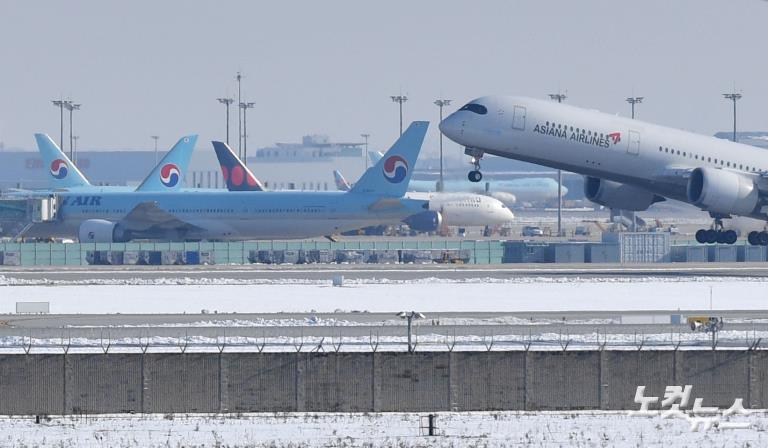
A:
(366, 382)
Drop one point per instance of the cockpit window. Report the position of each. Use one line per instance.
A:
(476, 108)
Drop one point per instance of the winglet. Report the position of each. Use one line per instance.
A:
(236, 175)
(62, 173)
(341, 183)
(390, 175)
(168, 174)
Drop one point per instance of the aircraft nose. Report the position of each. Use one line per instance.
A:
(451, 127)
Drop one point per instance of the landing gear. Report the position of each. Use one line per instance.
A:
(717, 234)
(758, 238)
(477, 154)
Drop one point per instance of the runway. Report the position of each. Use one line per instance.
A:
(368, 271)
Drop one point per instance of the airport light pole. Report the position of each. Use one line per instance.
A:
(155, 138)
(239, 78)
(400, 99)
(733, 97)
(245, 107)
(634, 100)
(75, 138)
(71, 107)
(441, 103)
(226, 102)
(365, 155)
(410, 316)
(559, 97)
(60, 105)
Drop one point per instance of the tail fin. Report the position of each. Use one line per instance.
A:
(391, 174)
(237, 176)
(341, 183)
(168, 174)
(375, 156)
(62, 173)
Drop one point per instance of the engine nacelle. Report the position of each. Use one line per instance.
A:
(101, 231)
(617, 195)
(425, 221)
(723, 192)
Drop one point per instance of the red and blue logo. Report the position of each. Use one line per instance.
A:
(59, 169)
(169, 175)
(395, 169)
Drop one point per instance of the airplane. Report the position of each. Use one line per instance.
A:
(238, 177)
(120, 216)
(63, 175)
(627, 164)
(511, 192)
(456, 209)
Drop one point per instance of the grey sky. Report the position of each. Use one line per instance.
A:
(157, 67)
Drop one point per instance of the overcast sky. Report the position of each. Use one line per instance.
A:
(156, 67)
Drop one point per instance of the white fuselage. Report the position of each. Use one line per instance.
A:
(655, 158)
(466, 209)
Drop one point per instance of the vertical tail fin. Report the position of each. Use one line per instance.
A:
(237, 176)
(390, 175)
(168, 174)
(341, 183)
(61, 172)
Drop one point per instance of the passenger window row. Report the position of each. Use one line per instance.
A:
(714, 161)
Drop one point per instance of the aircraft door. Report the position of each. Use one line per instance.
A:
(633, 147)
(518, 118)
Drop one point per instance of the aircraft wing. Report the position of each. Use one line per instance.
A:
(385, 205)
(147, 215)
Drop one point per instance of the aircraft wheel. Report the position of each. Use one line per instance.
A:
(711, 236)
(701, 236)
(753, 238)
(730, 236)
(763, 238)
(475, 176)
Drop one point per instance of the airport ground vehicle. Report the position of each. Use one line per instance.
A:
(532, 231)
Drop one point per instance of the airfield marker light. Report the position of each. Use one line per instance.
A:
(245, 107)
(559, 97)
(400, 99)
(441, 103)
(410, 316)
(733, 97)
(365, 155)
(226, 102)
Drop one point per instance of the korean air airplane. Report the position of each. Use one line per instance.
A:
(118, 216)
(627, 164)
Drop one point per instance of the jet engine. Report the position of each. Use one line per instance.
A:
(618, 196)
(101, 231)
(425, 221)
(724, 192)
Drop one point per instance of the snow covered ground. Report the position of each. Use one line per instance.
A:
(486, 429)
(180, 295)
